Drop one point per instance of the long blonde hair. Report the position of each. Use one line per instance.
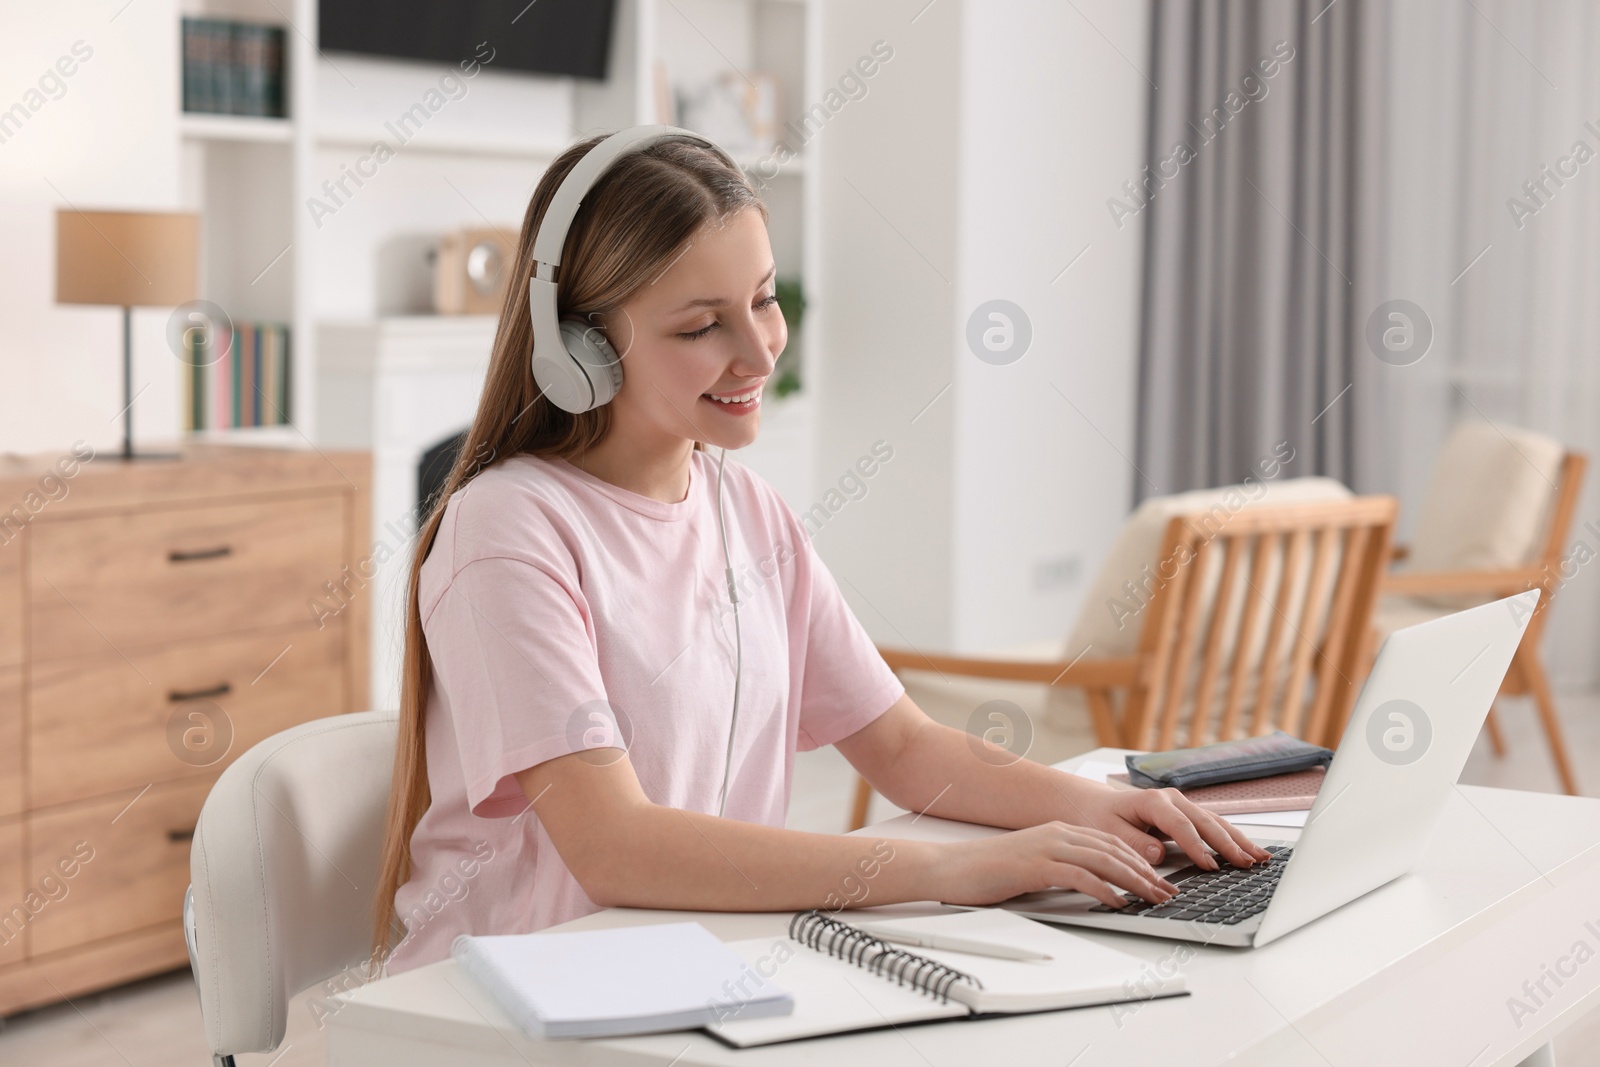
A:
(633, 222)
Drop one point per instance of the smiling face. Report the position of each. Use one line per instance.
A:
(708, 327)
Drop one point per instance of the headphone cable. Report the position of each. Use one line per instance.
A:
(738, 643)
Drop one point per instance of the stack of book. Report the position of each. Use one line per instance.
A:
(236, 377)
(233, 68)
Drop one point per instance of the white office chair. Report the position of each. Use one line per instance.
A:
(283, 870)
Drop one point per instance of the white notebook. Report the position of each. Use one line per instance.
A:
(605, 983)
(833, 970)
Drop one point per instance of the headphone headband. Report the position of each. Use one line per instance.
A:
(552, 235)
(578, 373)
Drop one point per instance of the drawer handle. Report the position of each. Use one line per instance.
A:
(181, 835)
(178, 695)
(179, 556)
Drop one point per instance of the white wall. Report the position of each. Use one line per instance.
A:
(1469, 120)
(1053, 122)
(942, 187)
(106, 138)
(889, 186)
(976, 168)
(368, 258)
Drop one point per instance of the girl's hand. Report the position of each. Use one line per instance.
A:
(1049, 856)
(1130, 814)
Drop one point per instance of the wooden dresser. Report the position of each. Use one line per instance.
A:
(156, 620)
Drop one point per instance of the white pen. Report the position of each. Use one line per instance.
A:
(954, 944)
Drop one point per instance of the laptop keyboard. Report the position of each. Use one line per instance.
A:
(1226, 896)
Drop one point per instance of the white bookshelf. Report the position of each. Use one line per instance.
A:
(245, 175)
(355, 285)
(261, 436)
(266, 257)
(202, 127)
(450, 146)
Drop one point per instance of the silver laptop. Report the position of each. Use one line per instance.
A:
(1408, 737)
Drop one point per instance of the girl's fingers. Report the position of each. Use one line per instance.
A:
(1113, 845)
(1069, 877)
(1143, 845)
(1221, 834)
(1114, 870)
(1118, 845)
(1175, 824)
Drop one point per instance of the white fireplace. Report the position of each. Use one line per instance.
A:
(397, 386)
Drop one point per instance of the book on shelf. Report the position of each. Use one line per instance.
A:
(233, 68)
(237, 376)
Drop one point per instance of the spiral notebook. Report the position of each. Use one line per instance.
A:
(845, 979)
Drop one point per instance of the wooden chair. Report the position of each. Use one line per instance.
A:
(1441, 584)
(1262, 625)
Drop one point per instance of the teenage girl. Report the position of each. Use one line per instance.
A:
(586, 719)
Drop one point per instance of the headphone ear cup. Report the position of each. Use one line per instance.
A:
(584, 372)
(594, 357)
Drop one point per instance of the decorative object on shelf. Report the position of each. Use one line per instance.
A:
(792, 301)
(470, 272)
(236, 374)
(739, 113)
(233, 68)
(127, 258)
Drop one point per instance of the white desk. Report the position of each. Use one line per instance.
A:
(1417, 972)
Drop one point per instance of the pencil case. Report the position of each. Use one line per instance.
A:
(1226, 761)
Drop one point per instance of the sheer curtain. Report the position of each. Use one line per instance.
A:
(1260, 253)
(1493, 226)
(1425, 152)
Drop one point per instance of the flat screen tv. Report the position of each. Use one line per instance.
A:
(570, 37)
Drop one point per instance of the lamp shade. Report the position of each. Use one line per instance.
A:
(126, 258)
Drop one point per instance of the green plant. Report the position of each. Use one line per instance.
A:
(792, 302)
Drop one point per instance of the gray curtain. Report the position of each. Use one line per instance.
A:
(1260, 203)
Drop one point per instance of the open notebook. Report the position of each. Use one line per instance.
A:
(844, 979)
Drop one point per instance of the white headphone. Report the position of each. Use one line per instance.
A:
(573, 363)
(582, 371)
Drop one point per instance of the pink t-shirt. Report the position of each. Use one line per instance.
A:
(564, 613)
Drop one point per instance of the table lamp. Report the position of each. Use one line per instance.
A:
(128, 259)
